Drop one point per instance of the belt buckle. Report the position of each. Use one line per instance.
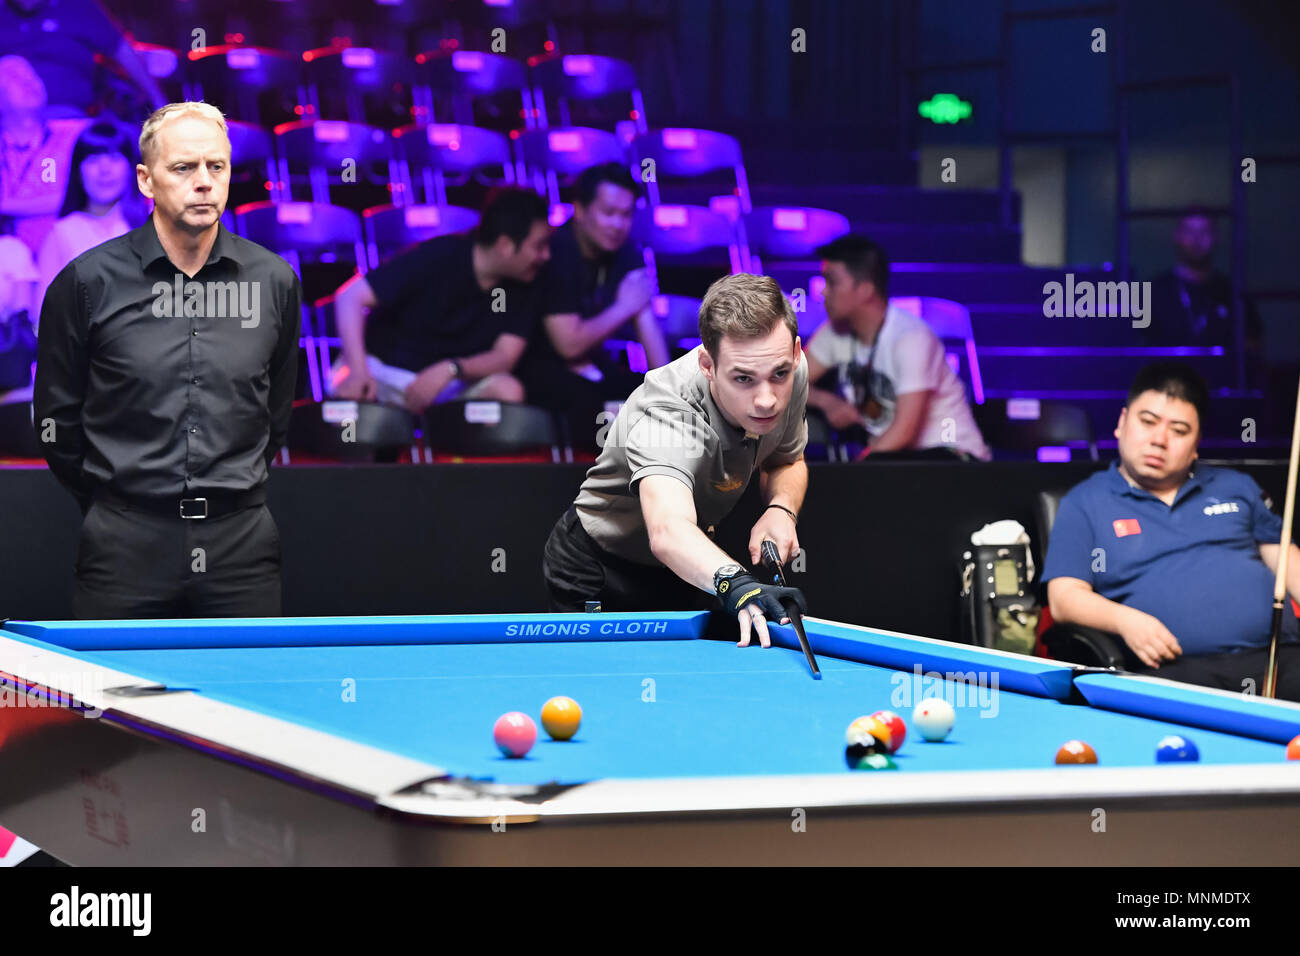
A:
(194, 501)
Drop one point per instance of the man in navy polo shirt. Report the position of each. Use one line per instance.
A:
(1177, 558)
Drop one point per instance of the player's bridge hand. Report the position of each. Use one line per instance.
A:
(1149, 639)
(755, 603)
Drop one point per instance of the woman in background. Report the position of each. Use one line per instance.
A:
(101, 202)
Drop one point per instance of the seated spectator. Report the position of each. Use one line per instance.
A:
(101, 202)
(34, 152)
(61, 39)
(1192, 303)
(883, 369)
(596, 288)
(17, 325)
(449, 318)
(1177, 558)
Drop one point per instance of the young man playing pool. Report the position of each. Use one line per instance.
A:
(677, 459)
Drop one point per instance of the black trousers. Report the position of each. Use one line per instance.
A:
(133, 563)
(1231, 671)
(578, 570)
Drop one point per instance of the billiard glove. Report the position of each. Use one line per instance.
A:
(744, 590)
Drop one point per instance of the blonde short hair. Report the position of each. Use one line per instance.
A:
(149, 132)
(743, 306)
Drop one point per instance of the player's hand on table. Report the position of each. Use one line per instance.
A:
(755, 603)
(841, 413)
(1148, 638)
(420, 394)
(358, 386)
(777, 526)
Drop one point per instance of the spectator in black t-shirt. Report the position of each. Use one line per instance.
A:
(1191, 304)
(450, 317)
(596, 287)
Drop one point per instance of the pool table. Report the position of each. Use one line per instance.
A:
(368, 740)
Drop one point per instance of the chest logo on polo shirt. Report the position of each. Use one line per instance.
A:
(1126, 526)
(1222, 508)
(728, 483)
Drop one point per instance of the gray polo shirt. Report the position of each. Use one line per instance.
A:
(670, 426)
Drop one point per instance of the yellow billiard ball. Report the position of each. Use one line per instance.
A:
(561, 717)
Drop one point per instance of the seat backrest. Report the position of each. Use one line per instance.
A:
(469, 72)
(1046, 503)
(318, 428)
(303, 227)
(331, 143)
(452, 147)
(583, 76)
(569, 150)
(680, 151)
(490, 428)
(787, 232)
(249, 143)
(356, 68)
(1030, 425)
(392, 228)
(681, 230)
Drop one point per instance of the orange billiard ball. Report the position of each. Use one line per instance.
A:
(561, 717)
(1075, 751)
(1293, 749)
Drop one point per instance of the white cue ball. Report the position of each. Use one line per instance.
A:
(934, 718)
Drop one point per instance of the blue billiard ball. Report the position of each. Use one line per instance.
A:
(1176, 749)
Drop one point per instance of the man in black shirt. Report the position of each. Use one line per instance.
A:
(165, 376)
(1191, 304)
(448, 318)
(596, 287)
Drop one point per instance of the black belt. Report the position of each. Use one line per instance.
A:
(198, 505)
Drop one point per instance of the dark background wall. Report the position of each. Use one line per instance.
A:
(882, 540)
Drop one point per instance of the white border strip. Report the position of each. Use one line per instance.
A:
(302, 751)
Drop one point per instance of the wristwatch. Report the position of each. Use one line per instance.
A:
(455, 369)
(722, 577)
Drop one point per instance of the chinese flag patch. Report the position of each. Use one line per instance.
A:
(1126, 526)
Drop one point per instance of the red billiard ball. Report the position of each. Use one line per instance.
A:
(1293, 749)
(515, 733)
(1075, 752)
(897, 729)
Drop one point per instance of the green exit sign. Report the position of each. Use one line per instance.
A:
(945, 108)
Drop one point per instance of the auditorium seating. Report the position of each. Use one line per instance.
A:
(554, 157)
(682, 153)
(390, 229)
(360, 85)
(472, 88)
(254, 84)
(348, 164)
(583, 85)
(442, 151)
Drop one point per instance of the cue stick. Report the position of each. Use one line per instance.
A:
(1279, 582)
(772, 562)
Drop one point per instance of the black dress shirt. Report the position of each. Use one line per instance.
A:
(153, 384)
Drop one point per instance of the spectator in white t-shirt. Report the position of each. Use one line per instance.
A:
(877, 366)
(101, 202)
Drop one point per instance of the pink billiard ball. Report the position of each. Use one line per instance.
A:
(515, 733)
